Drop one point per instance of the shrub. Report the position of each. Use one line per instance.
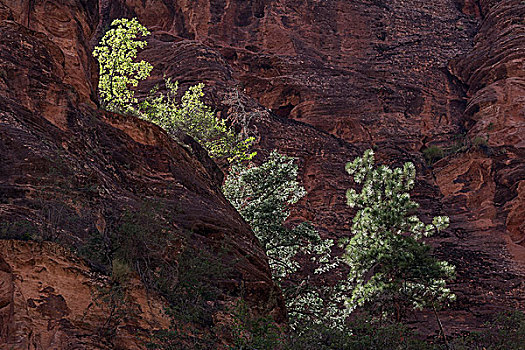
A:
(193, 300)
(432, 154)
(22, 230)
(187, 278)
(249, 332)
(461, 144)
(118, 72)
(505, 332)
(262, 195)
(196, 119)
(120, 272)
(114, 298)
(479, 141)
(361, 334)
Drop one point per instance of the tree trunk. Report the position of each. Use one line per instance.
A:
(441, 328)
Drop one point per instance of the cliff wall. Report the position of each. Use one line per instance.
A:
(73, 174)
(318, 80)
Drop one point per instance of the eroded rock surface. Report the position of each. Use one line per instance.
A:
(319, 80)
(72, 174)
(51, 300)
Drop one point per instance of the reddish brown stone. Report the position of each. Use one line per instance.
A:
(325, 80)
(64, 314)
(69, 171)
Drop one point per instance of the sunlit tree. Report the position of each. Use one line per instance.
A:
(263, 195)
(118, 70)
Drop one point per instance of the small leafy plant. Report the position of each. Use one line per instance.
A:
(116, 53)
(193, 117)
(432, 154)
(249, 332)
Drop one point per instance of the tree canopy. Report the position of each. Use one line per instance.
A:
(392, 268)
(262, 195)
(116, 53)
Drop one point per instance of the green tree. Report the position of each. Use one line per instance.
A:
(194, 118)
(116, 53)
(392, 268)
(118, 72)
(262, 195)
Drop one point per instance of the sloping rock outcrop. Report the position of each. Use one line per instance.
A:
(318, 80)
(89, 179)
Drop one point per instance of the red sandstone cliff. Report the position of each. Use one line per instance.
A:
(326, 79)
(70, 172)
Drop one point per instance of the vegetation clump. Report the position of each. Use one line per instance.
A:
(461, 144)
(116, 53)
(506, 331)
(392, 268)
(117, 70)
(480, 141)
(262, 195)
(193, 117)
(432, 154)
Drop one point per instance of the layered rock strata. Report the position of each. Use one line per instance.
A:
(318, 80)
(72, 174)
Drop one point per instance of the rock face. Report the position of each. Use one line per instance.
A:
(319, 80)
(73, 174)
(483, 187)
(51, 300)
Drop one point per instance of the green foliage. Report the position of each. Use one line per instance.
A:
(249, 332)
(115, 54)
(393, 270)
(22, 230)
(361, 334)
(505, 332)
(118, 72)
(181, 339)
(196, 288)
(432, 154)
(462, 143)
(480, 141)
(48, 221)
(318, 337)
(114, 299)
(141, 241)
(193, 300)
(262, 195)
(194, 118)
(111, 299)
(120, 272)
